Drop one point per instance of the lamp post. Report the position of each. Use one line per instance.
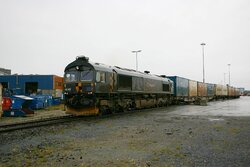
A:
(224, 78)
(203, 44)
(136, 51)
(229, 74)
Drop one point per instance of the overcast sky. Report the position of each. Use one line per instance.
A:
(43, 36)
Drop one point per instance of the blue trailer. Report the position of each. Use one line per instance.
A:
(20, 106)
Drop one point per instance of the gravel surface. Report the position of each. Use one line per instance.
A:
(157, 137)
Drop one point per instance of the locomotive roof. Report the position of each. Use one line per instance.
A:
(126, 71)
(83, 61)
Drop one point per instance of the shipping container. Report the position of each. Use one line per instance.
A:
(231, 91)
(202, 89)
(58, 83)
(218, 90)
(224, 91)
(192, 89)
(181, 88)
(237, 92)
(210, 90)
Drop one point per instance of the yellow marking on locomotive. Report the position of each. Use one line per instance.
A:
(79, 87)
(86, 111)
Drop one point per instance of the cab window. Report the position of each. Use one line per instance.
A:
(70, 77)
(100, 77)
(87, 75)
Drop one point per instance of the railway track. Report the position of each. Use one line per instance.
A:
(59, 120)
(37, 123)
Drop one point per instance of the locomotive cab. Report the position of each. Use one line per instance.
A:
(79, 87)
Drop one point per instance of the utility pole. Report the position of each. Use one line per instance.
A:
(229, 74)
(136, 51)
(203, 63)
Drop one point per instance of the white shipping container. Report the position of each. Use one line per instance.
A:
(218, 90)
(224, 90)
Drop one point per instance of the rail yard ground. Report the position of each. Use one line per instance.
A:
(187, 135)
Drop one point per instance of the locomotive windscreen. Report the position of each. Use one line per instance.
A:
(70, 76)
(82, 74)
(87, 75)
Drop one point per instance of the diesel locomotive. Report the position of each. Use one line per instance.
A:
(96, 89)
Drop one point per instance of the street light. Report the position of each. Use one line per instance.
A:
(136, 51)
(203, 44)
(224, 78)
(229, 74)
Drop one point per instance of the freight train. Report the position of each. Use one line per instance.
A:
(96, 89)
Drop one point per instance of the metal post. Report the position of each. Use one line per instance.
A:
(229, 74)
(224, 78)
(136, 61)
(136, 51)
(203, 44)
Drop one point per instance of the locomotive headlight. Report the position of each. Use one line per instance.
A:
(68, 89)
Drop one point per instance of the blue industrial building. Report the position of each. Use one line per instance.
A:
(33, 84)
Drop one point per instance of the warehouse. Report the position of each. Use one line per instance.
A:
(32, 84)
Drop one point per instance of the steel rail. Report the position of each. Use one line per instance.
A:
(36, 123)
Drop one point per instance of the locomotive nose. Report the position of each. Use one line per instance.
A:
(78, 87)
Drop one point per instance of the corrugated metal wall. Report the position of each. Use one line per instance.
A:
(51, 84)
(58, 82)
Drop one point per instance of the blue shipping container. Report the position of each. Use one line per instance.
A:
(210, 90)
(181, 87)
